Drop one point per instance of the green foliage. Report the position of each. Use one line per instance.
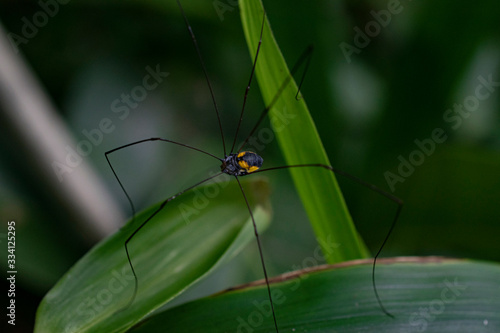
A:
(424, 294)
(300, 142)
(181, 245)
(368, 112)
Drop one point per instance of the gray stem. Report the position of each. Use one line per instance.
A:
(41, 137)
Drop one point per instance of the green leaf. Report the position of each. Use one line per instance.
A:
(300, 143)
(424, 294)
(190, 237)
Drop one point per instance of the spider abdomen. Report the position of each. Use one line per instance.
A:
(242, 163)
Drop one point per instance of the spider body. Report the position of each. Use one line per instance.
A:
(241, 164)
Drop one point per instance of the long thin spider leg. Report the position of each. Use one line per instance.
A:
(260, 253)
(306, 55)
(142, 141)
(163, 204)
(205, 72)
(372, 187)
(400, 206)
(249, 83)
(164, 140)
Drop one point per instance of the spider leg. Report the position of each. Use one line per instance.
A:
(372, 187)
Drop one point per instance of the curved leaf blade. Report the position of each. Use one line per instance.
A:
(432, 295)
(300, 143)
(170, 254)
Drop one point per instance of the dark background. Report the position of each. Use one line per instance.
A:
(368, 111)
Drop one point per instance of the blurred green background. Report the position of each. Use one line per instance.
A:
(369, 109)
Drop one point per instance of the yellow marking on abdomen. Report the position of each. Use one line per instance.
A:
(243, 164)
(253, 168)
